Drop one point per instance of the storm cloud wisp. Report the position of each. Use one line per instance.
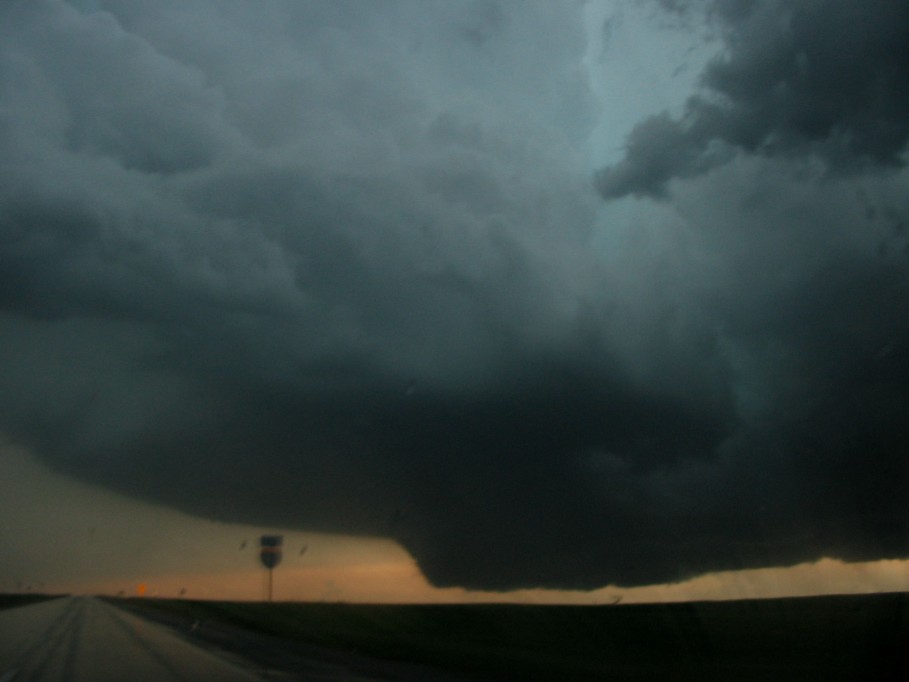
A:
(816, 79)
(341, 266)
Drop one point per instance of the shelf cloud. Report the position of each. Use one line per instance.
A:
(341, 267)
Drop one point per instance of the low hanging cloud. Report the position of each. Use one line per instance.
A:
(333, 266)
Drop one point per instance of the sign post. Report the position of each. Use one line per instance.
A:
(270, 555)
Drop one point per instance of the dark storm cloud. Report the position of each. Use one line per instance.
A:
(824, 78)
(332, 265)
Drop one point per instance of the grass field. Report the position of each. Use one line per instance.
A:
(862, 637)
(855, 637)
(9, 601)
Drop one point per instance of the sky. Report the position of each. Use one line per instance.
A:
(105, 543)
(504, 296)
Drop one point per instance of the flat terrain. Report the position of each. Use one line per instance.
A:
(81, 638)
(85, 639)
(864, 637)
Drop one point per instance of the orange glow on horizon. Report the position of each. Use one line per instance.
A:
(92, 541)
(402, 582)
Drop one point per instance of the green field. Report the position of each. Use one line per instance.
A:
(857, 637)
(863, 637)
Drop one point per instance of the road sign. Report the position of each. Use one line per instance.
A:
(270, 552)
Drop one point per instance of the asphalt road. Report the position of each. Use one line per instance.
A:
(82, 639)
(79, 638)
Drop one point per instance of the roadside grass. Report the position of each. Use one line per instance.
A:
(831, 638)
(11, 601)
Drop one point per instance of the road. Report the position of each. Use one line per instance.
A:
(80, 638)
